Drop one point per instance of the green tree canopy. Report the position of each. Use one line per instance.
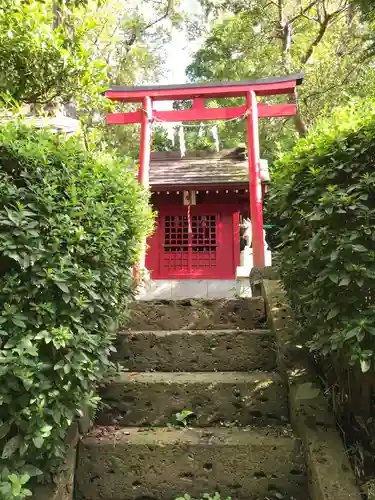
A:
(252, 40)
(40, 64)
(93, 42)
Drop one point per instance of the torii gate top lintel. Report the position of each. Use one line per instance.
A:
(261, 87)
(198, 93)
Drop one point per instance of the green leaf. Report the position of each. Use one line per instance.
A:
(38, 441)
(31, 470)
(359, 248)
(184, 415)
(4, 429)
(333, 313)
(360, 335)
(344, 281)
(351, 333)
(63, 287)
(365, 365)
(11, 447)
(46, 429)
(18, 322)
(66, 298)
(43, 334)
(334, 255)
(60, 364)
(334, 277)
(13, 478)
(317, 216)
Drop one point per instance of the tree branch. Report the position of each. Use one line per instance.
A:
(280, 7)
(316, 41)
(310, 18)
(101, 31)
(162, 17)
(132, 39)
(325, 9)
(324, 22)
(303, 11)
(273, 2)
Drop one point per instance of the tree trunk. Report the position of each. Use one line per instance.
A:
(57, 14)
(287, 42)
(286, 30)
(299, 122)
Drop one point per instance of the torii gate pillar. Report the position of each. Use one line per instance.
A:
(255, 184)
(146, 137)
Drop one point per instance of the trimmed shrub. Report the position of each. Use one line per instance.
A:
(70, 229)
(324, 201)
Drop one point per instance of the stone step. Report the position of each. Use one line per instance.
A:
(196, 350)
(162, 464)
(198, 314)
(218, 398)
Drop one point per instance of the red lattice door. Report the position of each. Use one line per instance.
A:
(204, 251)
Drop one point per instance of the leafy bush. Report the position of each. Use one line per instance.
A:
(70, 227)
(324, 200)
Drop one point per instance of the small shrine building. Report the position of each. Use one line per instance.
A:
(202, 202)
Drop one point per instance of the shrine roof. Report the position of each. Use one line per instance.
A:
(263, 86)
(229, 167)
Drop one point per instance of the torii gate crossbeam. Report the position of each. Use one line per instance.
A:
(198, 93)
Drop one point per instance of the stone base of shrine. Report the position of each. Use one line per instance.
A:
(175, 289)
(246, 259)
(194, 289)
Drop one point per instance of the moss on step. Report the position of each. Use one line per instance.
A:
(162, 463)
(218, 398)
(196, 350)
(197, 314)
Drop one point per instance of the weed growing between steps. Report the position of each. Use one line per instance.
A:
(70, 226)
(183, 417)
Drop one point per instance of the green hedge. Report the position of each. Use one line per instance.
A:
(70, 227)
(324, 201)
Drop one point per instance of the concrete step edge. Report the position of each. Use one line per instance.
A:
(202, 300)
(161, 333)
(162, 436)
(196, 350)
(218, 377)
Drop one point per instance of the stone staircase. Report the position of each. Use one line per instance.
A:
(216, 359)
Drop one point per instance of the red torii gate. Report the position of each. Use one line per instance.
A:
(198, 93)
